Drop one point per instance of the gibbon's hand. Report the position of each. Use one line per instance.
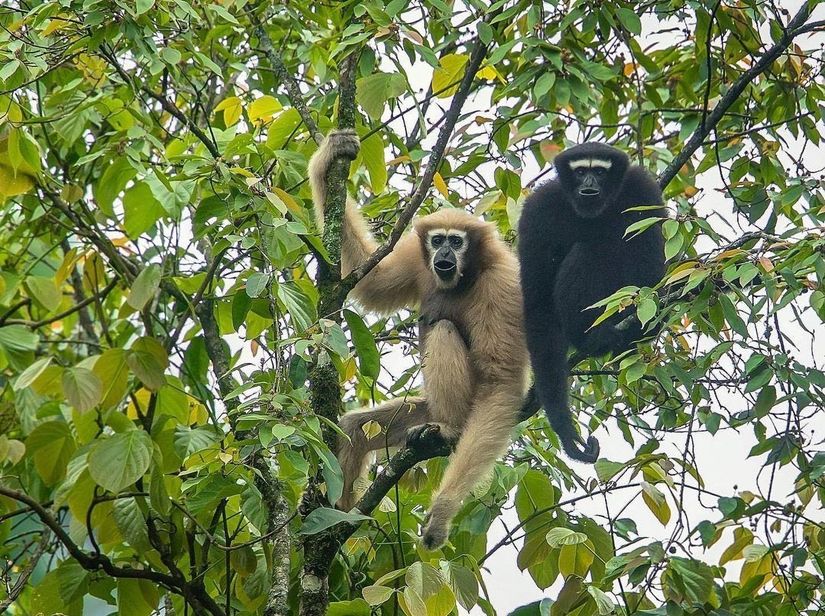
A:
(344, 143)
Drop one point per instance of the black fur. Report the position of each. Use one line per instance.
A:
(569, 263)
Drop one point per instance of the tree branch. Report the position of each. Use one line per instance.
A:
(436, 156)
(794, 28)
(293, 92)
(62, 315)
(167, 105)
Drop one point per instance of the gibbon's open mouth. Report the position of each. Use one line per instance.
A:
(589, 192)
(444, 269)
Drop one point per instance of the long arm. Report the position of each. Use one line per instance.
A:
(393, 283)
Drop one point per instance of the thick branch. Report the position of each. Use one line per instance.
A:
(794, 28)
(436, 156)
(431, 445)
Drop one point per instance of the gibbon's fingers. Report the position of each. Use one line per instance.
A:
(338, 144)
(393, 283)
(395, 418)
(485, 438)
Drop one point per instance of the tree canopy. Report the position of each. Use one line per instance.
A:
(176, 344)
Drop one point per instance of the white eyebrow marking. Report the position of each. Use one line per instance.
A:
(590, 163)
(458, 232)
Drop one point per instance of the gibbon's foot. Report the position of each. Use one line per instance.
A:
(344, 143)
(433, 536)
(425, 433)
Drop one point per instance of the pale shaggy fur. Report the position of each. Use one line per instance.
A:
(471, 394)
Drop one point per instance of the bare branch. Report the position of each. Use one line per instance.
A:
(292, 90)
(794, 28)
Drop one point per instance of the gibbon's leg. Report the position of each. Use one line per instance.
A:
(485, 438)
(551, 372)
(395, 417)
(448, 378)
(393, 283)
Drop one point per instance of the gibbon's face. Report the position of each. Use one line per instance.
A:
(447, 249)
(589, 182)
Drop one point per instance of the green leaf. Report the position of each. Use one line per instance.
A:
(137, 597)
(742, 537)
(369, 362)
(282, 128)
(693, 579)
(376, 595)
(188, 441)
(141, 210)
(559, 536)
(373, 91)
(117, 462)
(148, 360)
(145, 286)
(604, 603)
(141, 6)
(629, 20)
(463, 583)
(82, 387)
(111, 183)
(113, 372)
(131, 523)
(655, 501)
(606, 470)
(51, 444)
(44, 291)
(534, 492)
(646, 310)
(17, 338)
(576, 559)
(639, 226)
(372, 152)
(256, 284)
(30, 374)
(323, 517)
(299, 305)
(263, 107)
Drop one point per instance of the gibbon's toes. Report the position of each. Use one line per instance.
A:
(345, 143)
(422, 432)
(433, 537)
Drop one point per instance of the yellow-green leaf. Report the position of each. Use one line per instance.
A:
(448, 75)
(262, 109)
(232, 108)
(655, 501)
(576, 559)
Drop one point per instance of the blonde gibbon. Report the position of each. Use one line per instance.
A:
(464, 280)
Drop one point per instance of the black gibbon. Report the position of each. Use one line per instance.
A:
(573, 253)
(465, 280)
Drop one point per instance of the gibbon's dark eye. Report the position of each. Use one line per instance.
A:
(456, 241)
(581, 171)
(599, 171)
(437, 240)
